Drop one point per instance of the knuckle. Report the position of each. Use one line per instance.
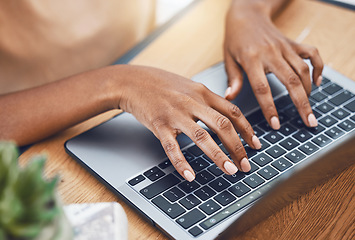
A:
(158, 123)
(235, 111)
(293, 80)
(304, 69)
(200, 135)
(238, 149)
(201, 88)
(223, 122)
(247, 129)
(178, 162)
(261, 88)
(170, 147)
(216, 153)
(313, 51)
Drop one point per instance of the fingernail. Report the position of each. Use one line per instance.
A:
(228, 91)
(256, 142)
(319, 81)
(275, 123)
(245, 165)
(230, 167)
(312, 120)
(188, 176)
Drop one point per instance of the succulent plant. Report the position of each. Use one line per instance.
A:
(28, 203)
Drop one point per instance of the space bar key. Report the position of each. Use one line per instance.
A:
(159, 186)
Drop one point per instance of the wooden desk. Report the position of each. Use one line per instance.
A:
(193, 44)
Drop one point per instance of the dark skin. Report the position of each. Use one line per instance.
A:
(145, 91)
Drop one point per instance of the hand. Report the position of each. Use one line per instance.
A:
(169, 104)
(253, 44)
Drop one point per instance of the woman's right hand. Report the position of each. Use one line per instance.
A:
(169, 104)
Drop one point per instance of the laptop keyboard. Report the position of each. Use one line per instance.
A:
(214, 196)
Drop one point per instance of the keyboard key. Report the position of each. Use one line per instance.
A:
(190, 218)
(253, 168)
(289, 143)
(174, 194)
(346, 125)
(204, 177)
(196, 151)
(189, 201)
(321, 140)
(223, 149)
(340, 113)
(258, 132)
(264, 144)
(173, 210)
(253, 180)
(283, 102)
(295, 156)
(308, 148)
(324, 107)
(178, 175)
(351, 106)
(219, 184)
(210, 207)
(298, 123)
(224, 198)
(255, 117)
(198, 164)
(332, 88)
(136, 180)
(317, 114)
(159, 186)
(316, 130)
(235, 177)
(283, 118)
(341, 98)
(156, 175)
(239, 189)
(268, 172)
(287, 129)
(265, 126)
(318, 96)
(325, 81)
(334, 132)
(302, 135)
(292, 112)
(189, 157)
(205, 193)
(353, 118)
(215, 170)
(328, 121)
(281, 164)
(275, 151)
(189, 187)
(311, 102)
(250, 151)
(273, 137)
(195, 231)
(204, 156)
(151, 171)
(165, 164)
(262, 159)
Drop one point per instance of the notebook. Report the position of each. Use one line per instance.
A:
(129, 160)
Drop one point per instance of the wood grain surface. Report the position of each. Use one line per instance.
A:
(193, 44)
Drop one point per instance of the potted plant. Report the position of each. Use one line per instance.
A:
(29, 206)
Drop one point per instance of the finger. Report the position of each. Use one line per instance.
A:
(205, 142)
(240, 123)
(235, 77)
(290, 79)
(225, 131)
(312, 53)
(261, 89)
(301, 68)
(172, 150)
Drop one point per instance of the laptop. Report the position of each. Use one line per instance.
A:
(129, 160)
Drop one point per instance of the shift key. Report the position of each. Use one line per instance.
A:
(159, 186)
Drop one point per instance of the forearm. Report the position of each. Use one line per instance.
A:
(34, 114)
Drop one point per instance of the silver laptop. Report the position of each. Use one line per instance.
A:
(130, 161)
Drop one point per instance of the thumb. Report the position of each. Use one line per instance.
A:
(235, 78)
